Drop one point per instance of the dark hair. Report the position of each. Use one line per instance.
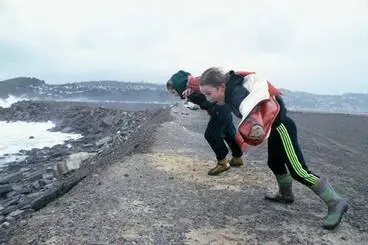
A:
(169, 85)
(213, 77)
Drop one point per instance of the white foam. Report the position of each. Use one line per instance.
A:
(6, 103)
(16, 136)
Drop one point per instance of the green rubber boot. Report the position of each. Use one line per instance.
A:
(285, 193)
(337, 206)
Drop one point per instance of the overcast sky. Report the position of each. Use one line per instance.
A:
(318, 46)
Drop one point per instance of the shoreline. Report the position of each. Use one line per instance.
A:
(161, 193)
(50, 172)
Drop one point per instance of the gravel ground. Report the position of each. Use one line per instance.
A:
(162, 194)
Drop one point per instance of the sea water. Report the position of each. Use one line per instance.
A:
(19, 135)
(16, 136)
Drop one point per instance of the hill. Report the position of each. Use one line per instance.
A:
(117, 91)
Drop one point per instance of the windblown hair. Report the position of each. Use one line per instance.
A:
(213, 77)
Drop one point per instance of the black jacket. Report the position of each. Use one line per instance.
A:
(235, 93)
(200, 99)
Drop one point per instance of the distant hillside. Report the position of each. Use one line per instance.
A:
(19, 85)
(348, 102)
(86, 91)
(36, 89)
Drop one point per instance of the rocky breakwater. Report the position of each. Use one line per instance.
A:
(47, 173)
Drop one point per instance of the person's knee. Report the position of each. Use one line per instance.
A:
(298, 177)
(212, 136)
(208, 135)
(213, 132)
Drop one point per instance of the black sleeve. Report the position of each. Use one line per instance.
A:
(207, 105)
(197, 98)
(200, 99)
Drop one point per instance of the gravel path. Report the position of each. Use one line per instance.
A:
(162, 194)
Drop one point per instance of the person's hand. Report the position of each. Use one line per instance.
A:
(191, 105)
(187, 92)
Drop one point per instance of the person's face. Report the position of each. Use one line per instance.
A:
(214, 94)
(173, 92)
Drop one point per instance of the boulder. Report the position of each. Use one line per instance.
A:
(5, 189)
(71, 163)
(11, 178)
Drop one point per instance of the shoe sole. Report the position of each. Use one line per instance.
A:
(217, 173)
(278, 200)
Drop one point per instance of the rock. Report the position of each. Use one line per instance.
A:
(59, 151)
(67, 130)
(103, 149)
(36, 185)
(108, 121)
(23, 170)
(9, 209)
(25, 205)
(50, 172)
(73, 162)
(5, 189)
(36, 175)
(16, 213)
(58, 189)
(11, 201)
(11, 178)
(102, 142)
(34, 195)
(11, 194)
(44, 182)
(9, 218)
(5, 225)
(48, 176)
(20, 189)
(31, 137)
(49, 169)
(44, 199)
(48, 186)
